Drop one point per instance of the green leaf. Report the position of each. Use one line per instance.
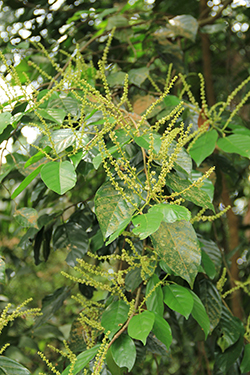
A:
(82, 360)
(59, 177)
(203, 146)
(26, 182)
(124, 352)
(56, 115)
(2, 271)
(208, 265)
(141, 325)
(178, 299)
(235, 143)
(183, 161)
(212, 250)
(38, 156)
(230, 328)
(211, 300)
(193, 194)
(144, 142)
(147, 224)
(116, 79)
(245, 364)
(183, 25)
(5, 119)
(154, 300)
(117, 21)
(71, 236)
(207, 185)
(62, 139)
(171, 212)
(76, 158)
(133, 279)
(162, 330)
(114, 317)
(176, 244)
(199, 314)
(9, 367)
(138, 76)
(118, 231)
(225, 360)
(112, 208)
(26, 217)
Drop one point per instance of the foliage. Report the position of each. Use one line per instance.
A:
(122, 185)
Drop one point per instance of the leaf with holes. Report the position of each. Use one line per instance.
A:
(112, 208)
(177, 245)
(59, 177)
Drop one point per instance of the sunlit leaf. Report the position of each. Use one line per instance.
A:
(26, 182)
(178, 299)
(59, 177)
(235, 143)
(5, 119)
(82, 360)
(140, 326)
(203, 146)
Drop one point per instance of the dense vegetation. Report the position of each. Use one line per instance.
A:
(125, 146)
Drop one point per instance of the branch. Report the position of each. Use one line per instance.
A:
(210, 20)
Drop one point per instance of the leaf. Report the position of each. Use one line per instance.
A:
(203, 146)
(62, 139)
(112, 208)
(117, 21)
(2, 270)
(208, 265)
(133, 279)
(116, 79)
(114, 317)
(147, 224)
(26, 217)
(194, 194)
(124, 352)
(199, 314)
(245, 364)
(26, 182)
(56, 115)
(212, 302)
(38, 156)
(51, 303)
(162, 330)
(176, 244)
(73, 237)
(178, 299)
(212, 250)
(171, 212)
(118, 231)
(235, 143)
(140, 326)
(9, 366)
(82, 360)
(183, 25)
(143, 103)
(5, 119)
(59, 177)
(138, 76)
(144, 142)
(183, 161)
(230, 328)
(225, 360)
(154, 300)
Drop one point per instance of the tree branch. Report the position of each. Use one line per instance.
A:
(210, 20)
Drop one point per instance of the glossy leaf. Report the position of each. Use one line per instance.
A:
(183, 25)
(203, 146)
(183, 161)
(225, 360)
(5, 119)
(62, 139)
(245, 364)
(212, 250)
(171, 212)
(212, 302)
(199, 314)
(38, 156)
(176, 244)
(154, 299)
(115, 79)
(59, 177)
(124, 352)
(141, 325)
(230, 328)
(9, 366)
(178, 299)
(26, 182)
(71, 236)
(112, 209)
(82, 360)
(114, 317)
(144, 142)
(193, 194)
(208, 265)
(162, 330)
(235, 143)
(133, 279)
(26, 217)
(123, 225)
(56, 115)
(147, 224)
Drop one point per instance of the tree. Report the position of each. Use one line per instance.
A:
(130, 179)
